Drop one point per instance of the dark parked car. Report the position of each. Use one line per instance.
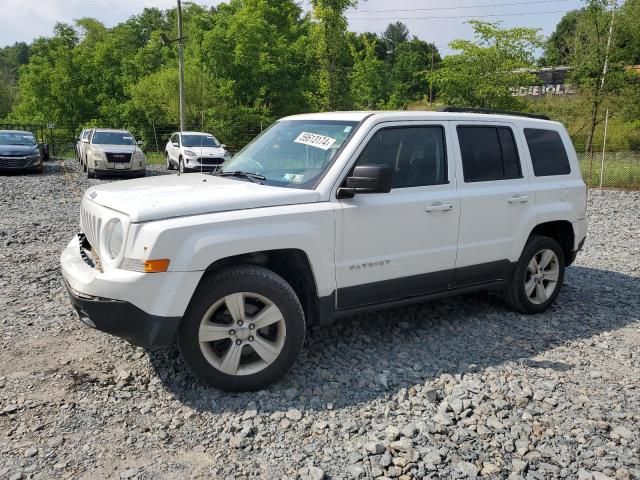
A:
(20, 151)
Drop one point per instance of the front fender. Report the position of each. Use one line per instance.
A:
(193, 243)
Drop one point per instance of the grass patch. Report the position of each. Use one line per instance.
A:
(155, 158)
(621, 169)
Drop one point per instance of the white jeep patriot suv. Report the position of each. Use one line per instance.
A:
(322, 216)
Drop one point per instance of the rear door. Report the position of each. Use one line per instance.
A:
(497, 201)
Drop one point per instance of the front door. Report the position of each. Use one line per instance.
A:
(403, 243)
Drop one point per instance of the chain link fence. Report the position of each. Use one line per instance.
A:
(616, 169)
(612, 170)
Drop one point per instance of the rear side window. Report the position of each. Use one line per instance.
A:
(488, 153)
(548, 154)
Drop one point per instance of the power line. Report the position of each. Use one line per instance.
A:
(459, 7)
(444, 17)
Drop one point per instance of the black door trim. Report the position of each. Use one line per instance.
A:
(403, 288)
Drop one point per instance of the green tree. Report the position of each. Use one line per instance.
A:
(559, 46)
(408, 80)
(368, 78)
(484, 71)
(12, 57)
(596, 85)
(394, 35)
(332, 54)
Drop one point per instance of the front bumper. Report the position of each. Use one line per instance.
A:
(118, 172)
(14, 164)
(124, 320)
(143, 308)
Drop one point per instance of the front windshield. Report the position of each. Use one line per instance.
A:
(112, 138)
(17, 138)
(292, 153)
(199, 141)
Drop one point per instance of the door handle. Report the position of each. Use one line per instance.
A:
(439, 207)
(519, 199)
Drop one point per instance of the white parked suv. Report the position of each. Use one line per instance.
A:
(195, 152)
(113, 153)
(323, 216)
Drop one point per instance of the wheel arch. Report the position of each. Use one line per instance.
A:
(292, 264)
(562, 232)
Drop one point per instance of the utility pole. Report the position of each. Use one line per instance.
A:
(181, 65)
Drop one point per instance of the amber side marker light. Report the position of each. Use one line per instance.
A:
(156, 266)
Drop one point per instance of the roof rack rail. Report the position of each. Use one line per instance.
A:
(492, 111)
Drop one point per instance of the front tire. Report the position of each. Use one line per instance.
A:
(181, 165)
(536, 280)
(243, 329)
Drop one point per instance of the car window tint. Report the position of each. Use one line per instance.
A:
(415, 155)
(547, 151)
(488, 153)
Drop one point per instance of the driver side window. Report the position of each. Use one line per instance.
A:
(415, 155)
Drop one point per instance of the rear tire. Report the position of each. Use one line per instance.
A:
(537, 277)
(220, 337)
(90, 173)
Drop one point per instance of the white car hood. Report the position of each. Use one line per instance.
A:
(115, 148)
(166, 196)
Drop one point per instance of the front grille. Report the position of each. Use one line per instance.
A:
(14, 162)
(116, 157)
(90, 225)
(211, 161)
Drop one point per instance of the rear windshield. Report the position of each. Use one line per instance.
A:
(112, 138)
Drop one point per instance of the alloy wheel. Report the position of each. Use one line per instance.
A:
(242, 333)
(541, 279)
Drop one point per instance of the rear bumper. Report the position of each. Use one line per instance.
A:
(580, 236)
(124, 320)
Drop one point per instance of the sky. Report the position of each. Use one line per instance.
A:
(434, 21)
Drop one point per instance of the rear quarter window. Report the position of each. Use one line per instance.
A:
(548, 155)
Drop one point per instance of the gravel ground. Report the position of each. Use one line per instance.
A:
(450, 389)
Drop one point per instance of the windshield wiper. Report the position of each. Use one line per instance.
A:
(254, 177)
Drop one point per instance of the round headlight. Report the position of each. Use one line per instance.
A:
(114, 238)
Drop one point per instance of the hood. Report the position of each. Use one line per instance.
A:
(18, 150)
(166, 196)
(116, 148)
(212, 151)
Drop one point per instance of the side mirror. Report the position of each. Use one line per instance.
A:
(140, 143)
(174, 144)
(85, 140)
(366, 179)
(222, 145)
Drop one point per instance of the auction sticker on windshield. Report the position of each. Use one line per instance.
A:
(315, 140)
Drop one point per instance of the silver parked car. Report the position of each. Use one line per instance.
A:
(81, 153)
(113, 152)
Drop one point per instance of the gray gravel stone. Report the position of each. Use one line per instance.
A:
(456, 370)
